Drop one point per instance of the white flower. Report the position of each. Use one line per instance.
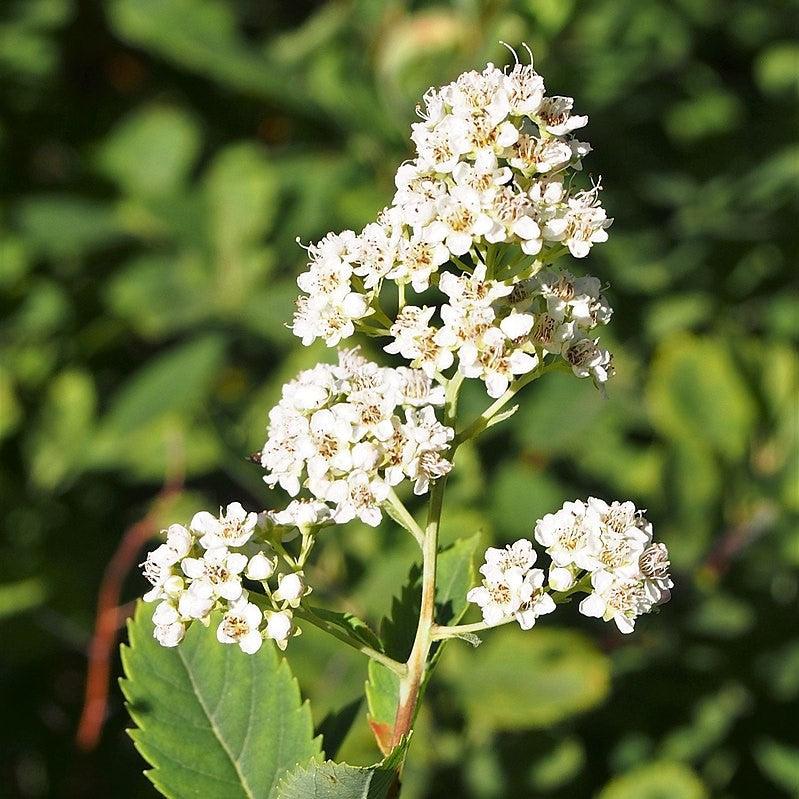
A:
(233, 528)
(571, 535)
(619, 599)
(260, 567)
(217, 572)
(419, 389)
(587, 359)
(500, 598)
(240, 626)
(423, 438)
(329, 317)
(168, 627)
(539, 602)
(158, 565)
(416, 340)
(358, 496)
(533, 155)
(555, 115)
(291, 588)
(495, 360)
(179, 541)
(525, 88)
(654, 569)
(197, 601)
(302, 513)
(280, 627)
(583, 224)
(417, 260)
(518, 555)
(459, 222)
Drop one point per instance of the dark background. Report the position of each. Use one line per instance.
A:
(158, 159)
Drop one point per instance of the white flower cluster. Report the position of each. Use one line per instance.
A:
(610, 546)
(605, 550)
(337, 432)
(511, 587)
(490, 181)
(200, 568)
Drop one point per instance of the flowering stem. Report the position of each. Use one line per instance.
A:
(451, 398)
(482, 421)
(442, 632)
(331, 629)
(402, 515)
(283, 552)
(411, 684)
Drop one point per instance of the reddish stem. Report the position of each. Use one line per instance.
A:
(110, 617)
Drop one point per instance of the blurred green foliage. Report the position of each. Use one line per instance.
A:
(159, 157)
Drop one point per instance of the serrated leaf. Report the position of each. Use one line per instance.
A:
(331, 780)
(455, 575)
(211, 720)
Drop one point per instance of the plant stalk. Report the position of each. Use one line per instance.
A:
(411, 684)
(393, 665)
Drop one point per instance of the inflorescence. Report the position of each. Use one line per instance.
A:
(478, 220)
(486, 204)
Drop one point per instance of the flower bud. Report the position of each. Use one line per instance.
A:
(291, 588)
(279, 627)
(260, 567)
(560, 579)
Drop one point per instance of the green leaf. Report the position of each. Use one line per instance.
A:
(10, 409)
(59, 442)
(177, 380)
(780, 763)
(63, 226)
(518, 681)
(335, 726)
(660, 780)
(454, 578)
(331, 780)
(242, 193)
(696, 393)
(351, 625)
(150, 153)
(211, 720)
(22, 595)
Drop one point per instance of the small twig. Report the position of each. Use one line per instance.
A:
(110, 617)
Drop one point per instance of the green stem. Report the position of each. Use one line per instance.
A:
(411, 684)
(402, 515)
(331, 629)
(481, 422)
(442, 632)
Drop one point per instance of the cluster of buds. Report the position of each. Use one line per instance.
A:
(486, 203)
(203, 568)
(604, 550)
(337, 431)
